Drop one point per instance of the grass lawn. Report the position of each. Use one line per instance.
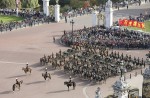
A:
(147, 27)
(7, 19)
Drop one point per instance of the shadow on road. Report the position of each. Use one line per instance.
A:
(5, 92)
(16, 76)
(36, 64)
(60, 91)
(36, 82)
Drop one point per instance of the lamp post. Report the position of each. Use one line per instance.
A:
(17, 2)
(72, 22)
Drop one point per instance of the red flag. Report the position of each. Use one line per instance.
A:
(138, 25)
(134, 23)
(120, 22)
(125, 22)
(142, 25)
(130, 23)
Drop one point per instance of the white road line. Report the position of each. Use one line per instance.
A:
(84, 92)
(11, 62)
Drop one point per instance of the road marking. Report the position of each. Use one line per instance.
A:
(84, 92)
(11, 62)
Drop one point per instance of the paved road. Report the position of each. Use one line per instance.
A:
(133, 11)
(28, 45)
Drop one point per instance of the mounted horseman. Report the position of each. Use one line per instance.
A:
(27, 69)
(17, 84)
(70, 83)
(46, 74)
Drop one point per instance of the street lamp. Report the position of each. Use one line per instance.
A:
(17, 2)
(72, 22)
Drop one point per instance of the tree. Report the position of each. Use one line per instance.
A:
(101, 2)
(8, 4)
(30, 3)
(76, 4)
(52, 2)
(93, 2)
(64, 2)
(64, 8)
(86, 4)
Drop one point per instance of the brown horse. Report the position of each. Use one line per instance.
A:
(70, 84)
(17, 85)
(27, 70)
(48, 75)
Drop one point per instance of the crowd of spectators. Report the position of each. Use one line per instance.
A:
(30, 18)
(113, 37)
(76, 12)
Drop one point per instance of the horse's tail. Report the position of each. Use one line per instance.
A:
(49, 75)
(22, 68)
(65, 83)
(13, 87)
(30, 70)
(74, 84)
(42, 74)
(21, 81)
